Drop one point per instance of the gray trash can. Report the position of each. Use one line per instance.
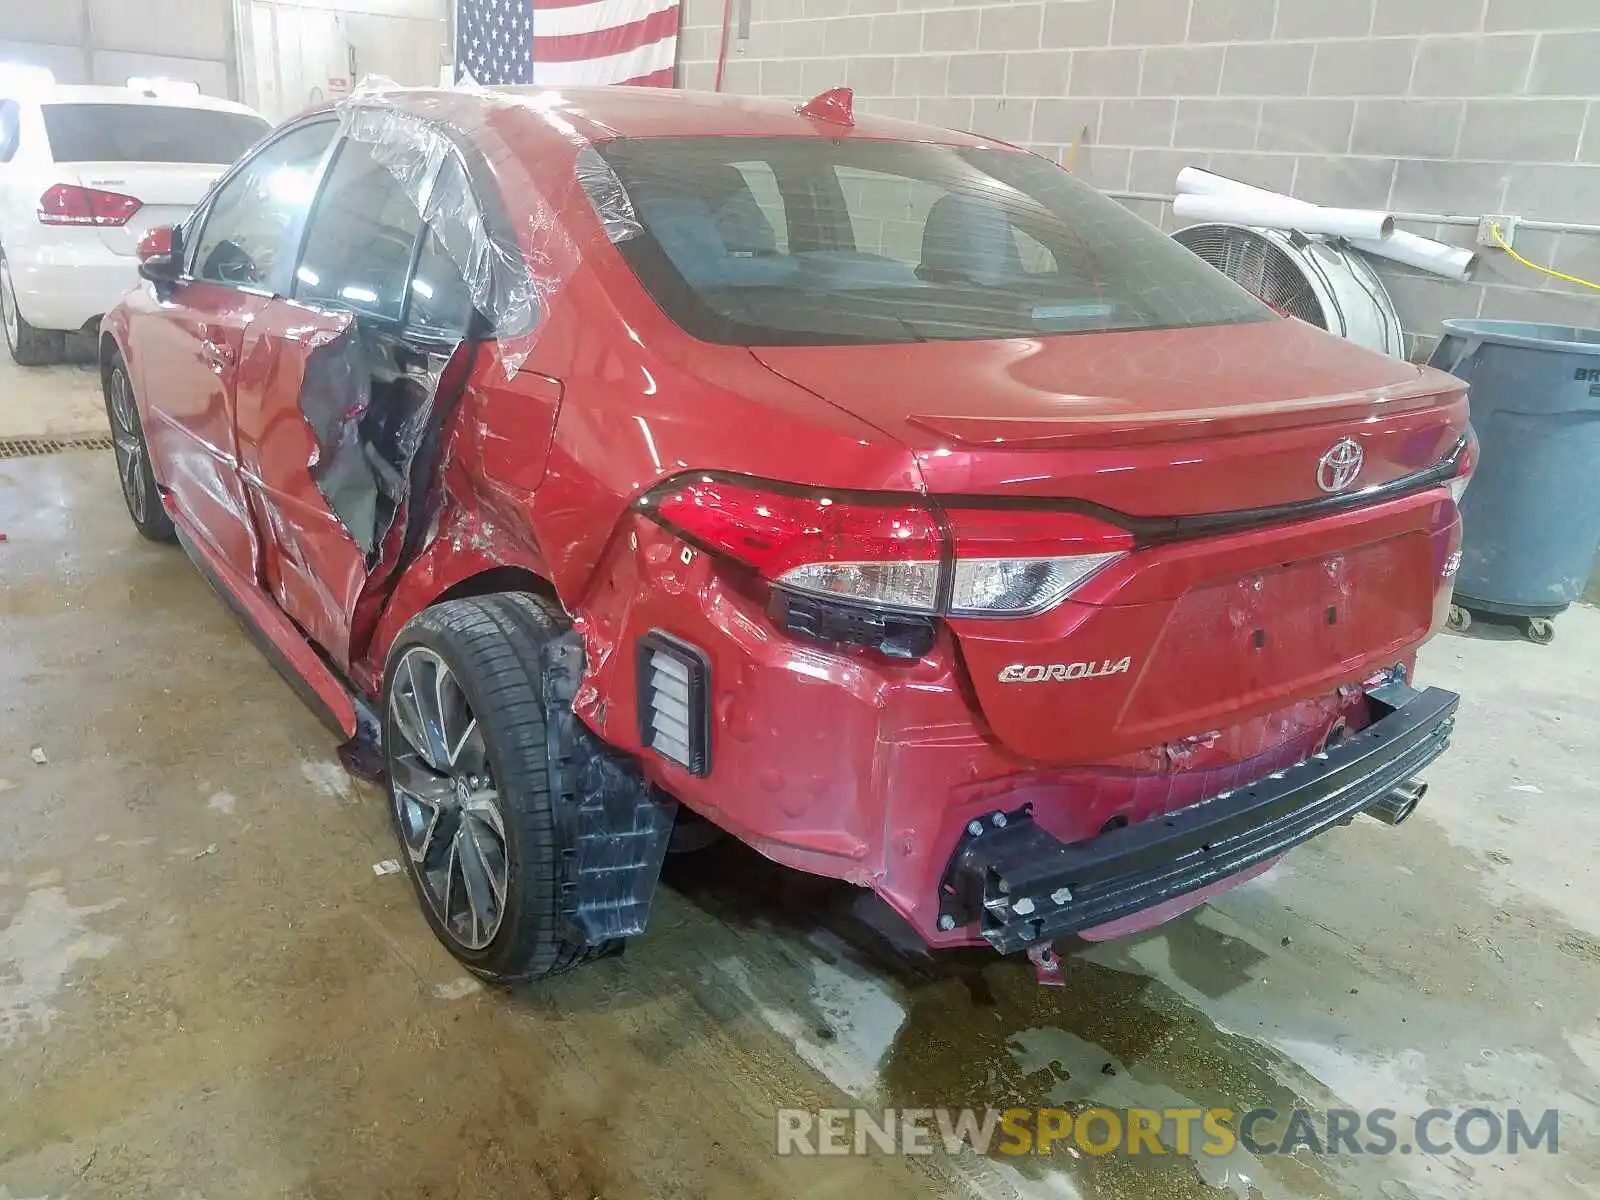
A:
(1532, 512)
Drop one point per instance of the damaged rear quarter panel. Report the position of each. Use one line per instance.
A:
(482, 510)
(601, 401)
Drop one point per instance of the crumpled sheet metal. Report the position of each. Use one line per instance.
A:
(510, 284)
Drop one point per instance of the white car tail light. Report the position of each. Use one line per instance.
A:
(69, 204)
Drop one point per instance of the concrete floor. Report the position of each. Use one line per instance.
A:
(205, 990)
(55, 401)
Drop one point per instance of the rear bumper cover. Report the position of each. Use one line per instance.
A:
(67, 284)
(1023, 886)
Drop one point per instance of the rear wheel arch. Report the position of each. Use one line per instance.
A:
(507, 578)
(418, 590)
(581, 834)
(28, 345)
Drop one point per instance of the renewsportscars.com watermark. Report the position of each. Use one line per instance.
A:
(1214, 1132)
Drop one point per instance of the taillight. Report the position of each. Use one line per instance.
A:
(891, 554)
(69, 204)
(886, 555)
(1012, 562)
(1466, 457)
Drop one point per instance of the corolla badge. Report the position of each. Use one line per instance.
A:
(1338, 468)
(1040, 672)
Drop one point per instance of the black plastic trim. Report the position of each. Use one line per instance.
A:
(1065, 888)
(1147, 531)
(894, 633)
(699, 665)
(269, 649)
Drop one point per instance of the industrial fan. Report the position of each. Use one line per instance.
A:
(1318, 281)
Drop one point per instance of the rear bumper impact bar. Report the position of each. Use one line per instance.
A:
(1024, 886)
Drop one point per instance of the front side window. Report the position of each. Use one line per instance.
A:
(250, 224)
(148, 133)
(809, 240)
(361, 237)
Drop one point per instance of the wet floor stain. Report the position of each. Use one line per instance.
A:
(41, 944)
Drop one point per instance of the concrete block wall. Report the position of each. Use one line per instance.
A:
(1435, 106)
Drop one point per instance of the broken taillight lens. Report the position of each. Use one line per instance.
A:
(889, 553)
(69, 204)
(1466, 457)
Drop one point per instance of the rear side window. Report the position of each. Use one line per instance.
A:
(441, 300)
(249, 226)
(808, 240)
(148, 133)
(362, 235)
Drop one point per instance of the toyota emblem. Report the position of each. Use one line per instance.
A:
(1338, 468)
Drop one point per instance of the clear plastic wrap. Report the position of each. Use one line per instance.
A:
(414, 132)
(609, 198)
(370, 394)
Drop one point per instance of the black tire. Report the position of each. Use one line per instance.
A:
(491, 645)
(29, 347)
(139, 491)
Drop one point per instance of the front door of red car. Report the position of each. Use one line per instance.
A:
(190, 344)
(344, 383)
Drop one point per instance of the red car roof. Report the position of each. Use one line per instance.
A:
(600, 113)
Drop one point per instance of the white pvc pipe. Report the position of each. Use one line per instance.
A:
(1273, 213)
(1426, 254)
(1195, 182)
(1452, 262)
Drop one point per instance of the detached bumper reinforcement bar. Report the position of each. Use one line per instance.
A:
(1024, 886)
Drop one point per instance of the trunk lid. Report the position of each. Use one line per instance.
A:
(166, 192)
(1177, 640)
(1148, 423)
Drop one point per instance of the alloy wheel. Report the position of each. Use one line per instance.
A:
(127, 443)
(446, 803)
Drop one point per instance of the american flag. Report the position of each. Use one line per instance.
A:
(556, 43)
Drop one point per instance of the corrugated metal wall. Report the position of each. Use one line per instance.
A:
(279, 55)
(107, 41)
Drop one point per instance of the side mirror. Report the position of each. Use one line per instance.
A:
(160, 255)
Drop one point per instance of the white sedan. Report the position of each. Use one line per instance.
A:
(85, 172)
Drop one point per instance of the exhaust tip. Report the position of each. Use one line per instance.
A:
(1396, 806)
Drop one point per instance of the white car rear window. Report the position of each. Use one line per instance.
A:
(148, 133)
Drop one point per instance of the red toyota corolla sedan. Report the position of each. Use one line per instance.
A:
(600, 461)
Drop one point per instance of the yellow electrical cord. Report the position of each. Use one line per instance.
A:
(1494, 232)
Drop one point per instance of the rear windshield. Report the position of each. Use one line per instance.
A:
(148, 133)
(756, 241)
